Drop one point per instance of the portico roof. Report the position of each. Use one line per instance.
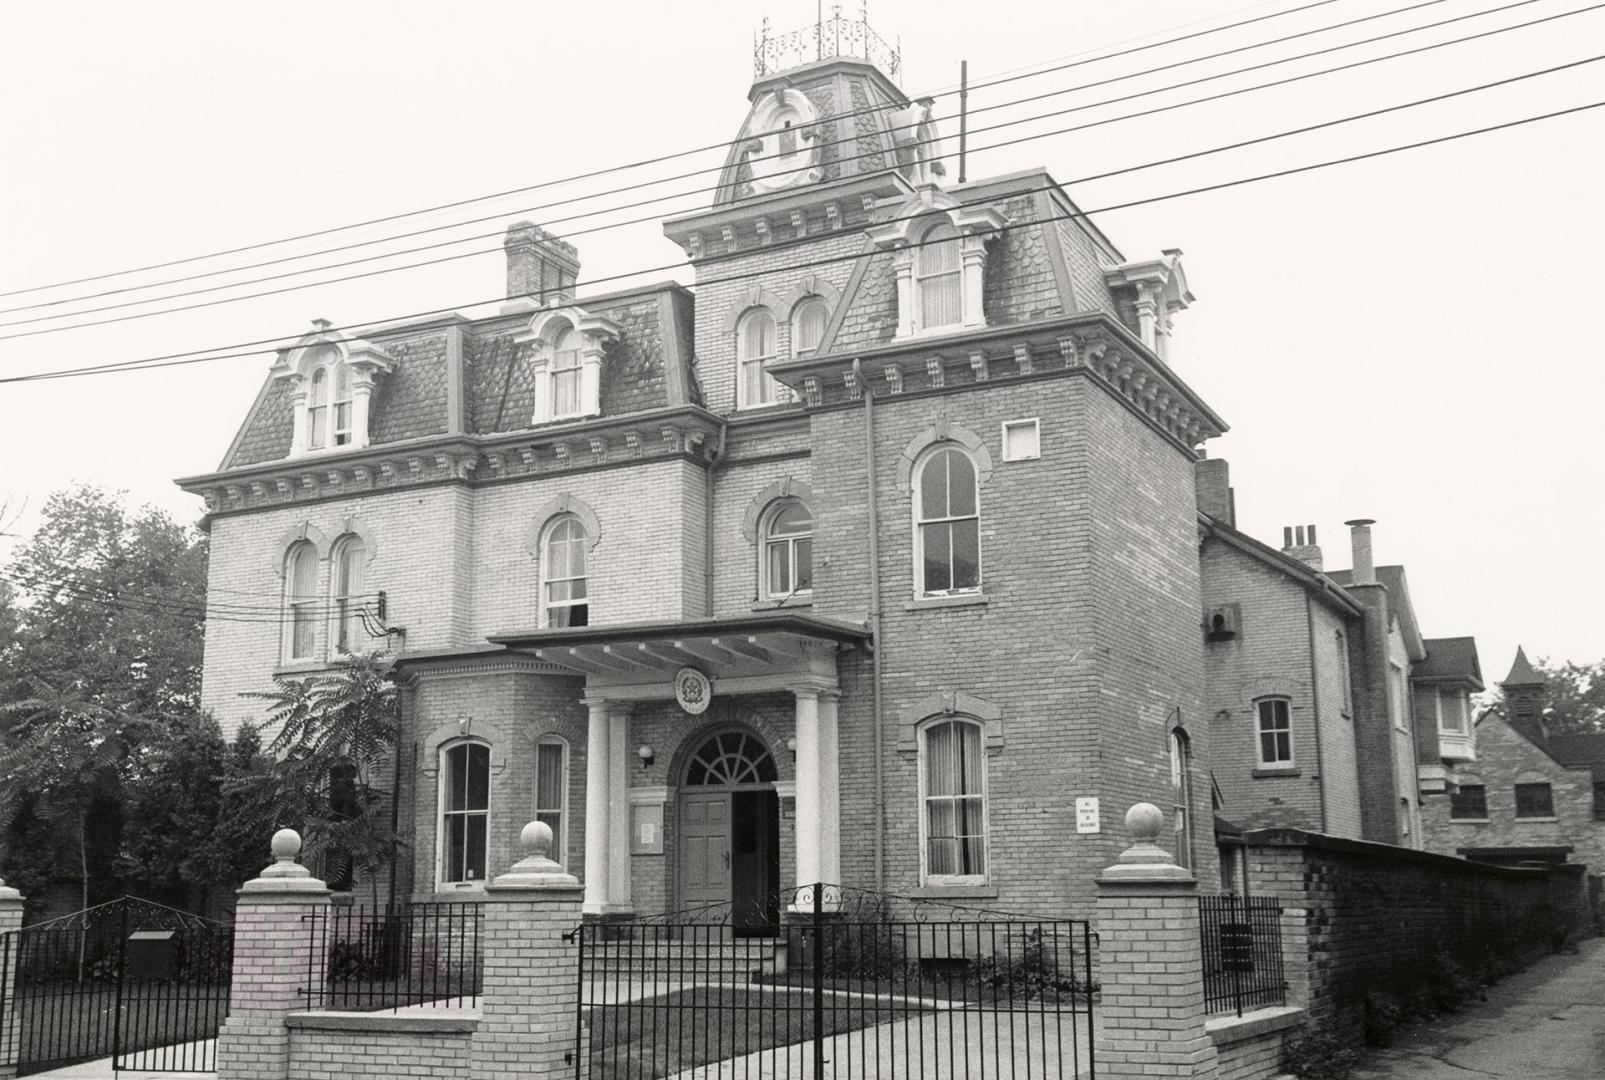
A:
(727, 649)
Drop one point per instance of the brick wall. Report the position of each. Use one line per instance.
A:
(1372, 917)
(357, 1054)
(1505, 758)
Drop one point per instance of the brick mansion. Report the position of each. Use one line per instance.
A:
(888, 553)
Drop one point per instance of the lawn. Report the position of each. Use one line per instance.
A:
(62, 1024)
(663, 1035)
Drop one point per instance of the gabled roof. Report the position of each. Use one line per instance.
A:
(1450, 660)
(1580, 750)
(1324, 588)
(1521, 672)
(1392, 578)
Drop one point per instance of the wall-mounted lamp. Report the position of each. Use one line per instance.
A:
(791, 744)
(644, 752)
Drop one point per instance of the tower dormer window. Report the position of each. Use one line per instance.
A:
(567, 348)
(566, 398)
(318, 410)
(331, 379)
(937, 277)
(939, 253)
(340, 434)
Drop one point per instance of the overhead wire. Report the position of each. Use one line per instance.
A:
(568, 235)
(608, 170)
(201, 610)
(212, 354)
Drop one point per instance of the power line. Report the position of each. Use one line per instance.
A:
(198, 610)
(1061, 131)
(191, 357)
(695, 150)
(655, 216)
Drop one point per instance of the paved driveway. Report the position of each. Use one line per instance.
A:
(1545, 1023)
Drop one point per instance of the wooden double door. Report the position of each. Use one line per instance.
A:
(729, 853)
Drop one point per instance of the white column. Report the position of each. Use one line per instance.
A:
(973, 249)
(591, 377)
(618, 809)
(1148, 313)
(597, 806)
(903, 271)
(539, 364)
(807, 811)
(361, 395)
(830, 858)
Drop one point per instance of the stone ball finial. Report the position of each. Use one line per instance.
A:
(1144, 821)
(536, 840)
(286, 845)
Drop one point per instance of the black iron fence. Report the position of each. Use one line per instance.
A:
(830, 981)
(131, 980)
(1242, 945)
(394, 957)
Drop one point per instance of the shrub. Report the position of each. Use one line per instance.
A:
(1318, 1054)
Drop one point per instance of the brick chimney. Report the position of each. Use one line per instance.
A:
(540, 267)
(1212, 481)
(1299, 542)
(1365, 570)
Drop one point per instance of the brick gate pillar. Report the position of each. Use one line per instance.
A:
(274, 949)
(10, 942)
(1150, 963)
(529, 975)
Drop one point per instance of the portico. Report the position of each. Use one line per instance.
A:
(718, 766)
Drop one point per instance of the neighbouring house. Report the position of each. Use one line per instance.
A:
(871, 559)
(1521, 795)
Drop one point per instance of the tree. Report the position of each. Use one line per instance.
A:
(1574, 697)
(100, 660)
(331, 762)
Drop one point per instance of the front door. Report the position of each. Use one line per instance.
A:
(704, 843)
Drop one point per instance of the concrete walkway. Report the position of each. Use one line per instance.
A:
(1545, 1023)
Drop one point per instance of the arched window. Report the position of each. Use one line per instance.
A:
(1275, 731)
(301, 600)
(1181, 794)
(788, 550)
(318, 410)
(348, 587)
(464, 812)
(938, 272)
(551, 792)
(808, 320)
(755, 347)
(947, 524)
(953, 794)
(564, 598)
(566, 378)
(733, 757)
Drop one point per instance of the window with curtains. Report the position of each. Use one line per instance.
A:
(465, 812)
(755, 347)
(1275, 732)
(938, 278)
(341, 416)
(947, 523)
(953, 793)
(565, 374)
(551, 792)
(318, 410)
(350, 570)
(808, 325)
(565, 600)
(1181, 793)
(301, 601)
(788, 550)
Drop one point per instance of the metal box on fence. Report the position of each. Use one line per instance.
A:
(1237, 946)
(149, 954)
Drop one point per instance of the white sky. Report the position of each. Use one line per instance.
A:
(1407, 339)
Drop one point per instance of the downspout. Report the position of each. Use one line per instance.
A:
(714, 463)
(1315, 698)
(878, 723)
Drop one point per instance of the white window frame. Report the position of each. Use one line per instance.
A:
(345, 605)
(341, 407)
(927, 249)
(1458, 710)
(1260, 731)
(317, 423)
(1181, 787)
(812, 301)
(920, 521)
(768, 389)
(300, 607)
(545, 559)
(543, 805)
(441, 835)
(921, 766)
(1034, 423)
(567, 364)
(766, 540)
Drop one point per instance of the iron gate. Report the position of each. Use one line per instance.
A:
(846, 984)
(131, 980)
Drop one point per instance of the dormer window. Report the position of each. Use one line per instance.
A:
(567, 349)
(937, 278)
(332, 380)
(808, 325)
(939, 261)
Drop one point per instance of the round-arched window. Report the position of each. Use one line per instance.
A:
(947, 520)
(755, 347)
(788, 550)
(733, 757)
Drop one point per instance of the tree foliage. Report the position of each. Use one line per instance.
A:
(1574, 697)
